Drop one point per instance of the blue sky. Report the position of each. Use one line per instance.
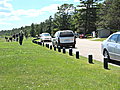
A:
(18, 13)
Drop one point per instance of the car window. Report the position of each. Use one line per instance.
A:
(56, 34)
(118, 41)
(113, 38)
(46, 34)
(66, 34)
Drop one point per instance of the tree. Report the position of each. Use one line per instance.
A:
(115, 15)
(26, 33)
(37, 27)
(63, 16)
(88, 15)
(75, 21)
(110, 15)
(32, 32)
(41, 27)
(50, 25)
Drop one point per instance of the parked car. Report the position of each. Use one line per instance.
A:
(64, 38)
(81, 36)
(45, 37)
(76, 35)
(111, 47)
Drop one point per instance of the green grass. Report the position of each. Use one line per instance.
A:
(101, 39)
(31, 66)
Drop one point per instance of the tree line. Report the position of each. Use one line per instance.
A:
(86, 17)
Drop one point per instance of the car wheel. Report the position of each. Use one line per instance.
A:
(106, 55)
(58, 44)
(53, 44)
(73, 46)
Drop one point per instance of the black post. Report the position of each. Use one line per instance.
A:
(50, 47)
(54, 48)
(33, 41)
(64, 51)
(90, 58)
(59, 49)
(70, 51)
(36, 42)
(40, 43)
(46, 45)
(77, 54)
(43, 44)
(105, 63)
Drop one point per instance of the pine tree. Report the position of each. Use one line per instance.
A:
(32, 32)
(110, 15)
(88, 15)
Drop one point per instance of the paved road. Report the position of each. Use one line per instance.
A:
(87, 47)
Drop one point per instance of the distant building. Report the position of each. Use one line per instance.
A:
(103, 33)
(93, 34)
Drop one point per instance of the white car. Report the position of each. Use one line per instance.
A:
(64, 38)
(45, 37)
(111, 47)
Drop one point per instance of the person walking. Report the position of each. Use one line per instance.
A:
(21, 37)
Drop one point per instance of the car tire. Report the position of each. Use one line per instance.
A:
(106, 54)
(58, 44)
(53, 44)
(73, 46)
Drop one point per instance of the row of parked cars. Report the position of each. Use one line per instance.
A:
(110, 47)
(61, 38)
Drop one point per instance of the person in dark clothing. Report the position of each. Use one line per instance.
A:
(20, 37)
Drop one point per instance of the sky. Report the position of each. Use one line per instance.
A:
(18, 13)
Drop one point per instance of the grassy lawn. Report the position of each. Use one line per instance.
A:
(101, 39)
(31, 66)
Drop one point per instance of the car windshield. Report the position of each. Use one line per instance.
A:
(47, 34)
(66, 34)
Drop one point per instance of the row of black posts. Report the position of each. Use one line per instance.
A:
(90, 57)
(70, 51)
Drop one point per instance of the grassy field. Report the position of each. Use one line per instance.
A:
(101, 39)
(34, 67)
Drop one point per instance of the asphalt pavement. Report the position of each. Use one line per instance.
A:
(87, 47)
